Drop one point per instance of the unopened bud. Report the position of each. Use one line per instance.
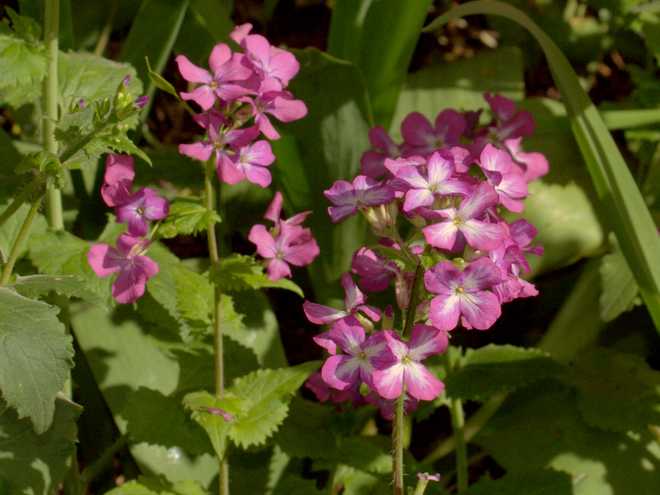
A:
(382, 218)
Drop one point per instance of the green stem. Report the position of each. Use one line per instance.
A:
(104, 37)
(414, 297)
(397, 445)
(102, 463)
(15, 205)
(458, 425)
(214, 256)
(22, 235)
(50, 97)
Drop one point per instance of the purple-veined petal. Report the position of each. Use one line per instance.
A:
(441, 235)
(479, 310)
(481, 274)
(479, 201)
(341, 371)
(445, 311)
(482, 235)
(322, 315)
(421, 383)
(104, 259)
(389, 382)
(426, 341)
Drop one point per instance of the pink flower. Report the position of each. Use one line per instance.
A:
(274, 65)
(251, 162)
(382, 147)
(291, 245)
(466, 294)
(375, 272)
(509, 123)
(467, 224)
(274, 212)
(347, 197)
(279, 104)
(224, 81)
(354, 302)
(324, 392)
(127, 259)
(118, 179)
(534, 164)
(354, 366)
(141, 208)
(420, 137)
(405, 366)
(505, 176)
(386, 407)
(425, 185)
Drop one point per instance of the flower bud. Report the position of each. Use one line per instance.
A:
(382, 218)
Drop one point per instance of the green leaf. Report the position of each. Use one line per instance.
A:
(265, 401)
(32, 464)
(66, 285)
(10, 228)
(619, 290)
(239, 272)
(22, 68)
(461, 84)
(379, 38)
(617, 391)
(540, 427)
(333, 137)
(153, 34)
(35, 357)
(620, 199)
(187, 216)
(159, 81)
(61, 253)
(546, 482)
(154, 486)
(498, 368)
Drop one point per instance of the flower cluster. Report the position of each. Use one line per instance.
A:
(135, 209)
(445, 190)
(238, 96)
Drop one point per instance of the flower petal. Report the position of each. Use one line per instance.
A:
(421, 383)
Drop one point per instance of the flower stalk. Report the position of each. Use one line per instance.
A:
(50, 97)
(210, 194)
(22, 235)
(458, 424)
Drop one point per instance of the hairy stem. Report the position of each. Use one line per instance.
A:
(22, 235)
(458, 425)
(50, 94)
(397, 445)
(214, 256)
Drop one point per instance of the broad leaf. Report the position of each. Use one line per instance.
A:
(546, 482)
(498, 368)
(32, 464)
(66, 285)
(22, 68)
(35, 357)
(187, 216)
(153, 486)
(617, 391)
(9, 230)
(619, 290)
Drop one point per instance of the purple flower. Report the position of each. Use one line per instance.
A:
(354, 302)
(466, 294)
(509, 122)
(507, 178)
(141, 208)
(324, 392)
(279, 104)
(382, 147)
(466, 224)
(118, 179)
(386, 406)
(354, 366)
(251, 162)
(227, 72)
(420, 137)
(374, 271)
(274, 212)
(425, 185)
(534, 164)
(402, 364)
(291, 245)
(128, 260)
(347, 197)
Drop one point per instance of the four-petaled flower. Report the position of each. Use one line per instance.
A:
(134, 269)
(420, 137)
(141, 208)
(466, 294)
(346, 197)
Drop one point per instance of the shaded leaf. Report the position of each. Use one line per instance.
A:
(66, 285)
(546, 482)
(619, 290)
(238, 272)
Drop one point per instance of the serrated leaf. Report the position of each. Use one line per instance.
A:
(617, 391)
(239, 272)
(187, 216)
(66, 285)
(61, 253)
(154, 486)
(494, 368)
(32, 464)
(35, 357)
(619, 289)
(266, 395)
(22, 68)
(546, 482)
(540, 427)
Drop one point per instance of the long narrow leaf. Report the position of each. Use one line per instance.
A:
(378, 36)
(620, 199)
